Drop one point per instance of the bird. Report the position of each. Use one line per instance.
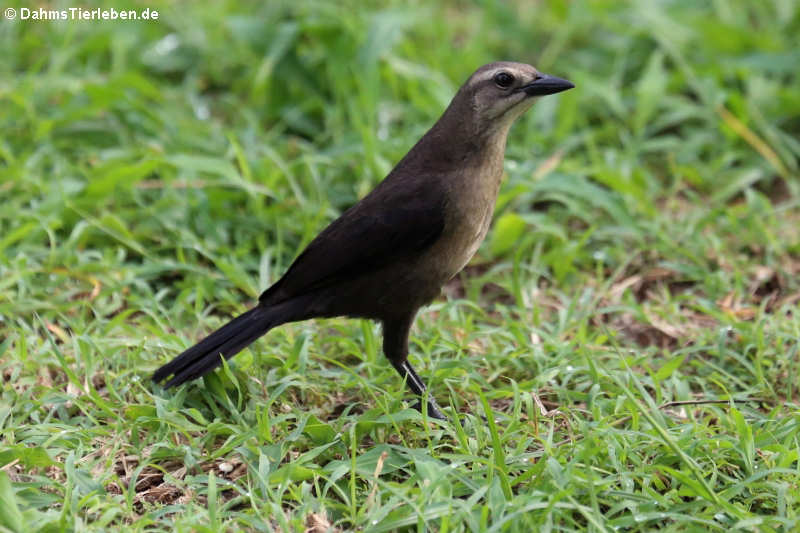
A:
(390, 253)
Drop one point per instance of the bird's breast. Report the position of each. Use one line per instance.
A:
(469, 232)
(468, 217)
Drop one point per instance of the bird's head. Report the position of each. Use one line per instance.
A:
(498, 93)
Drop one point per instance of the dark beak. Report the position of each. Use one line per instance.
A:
(545, 84)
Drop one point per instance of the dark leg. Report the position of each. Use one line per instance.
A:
(415, 383)
(395, 346)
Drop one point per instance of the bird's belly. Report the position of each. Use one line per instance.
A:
(405, 286)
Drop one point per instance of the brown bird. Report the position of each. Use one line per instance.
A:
(391, 253)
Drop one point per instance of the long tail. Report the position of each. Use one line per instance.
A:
(226, 342)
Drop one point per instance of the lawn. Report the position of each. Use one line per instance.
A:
(622, 350)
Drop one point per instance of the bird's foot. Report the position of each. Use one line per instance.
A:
(435, 412)
(433, 409)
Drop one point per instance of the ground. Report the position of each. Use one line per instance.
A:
(628, 330)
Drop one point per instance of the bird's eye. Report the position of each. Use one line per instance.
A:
(503, 79)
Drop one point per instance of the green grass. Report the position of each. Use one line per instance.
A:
(645, 255)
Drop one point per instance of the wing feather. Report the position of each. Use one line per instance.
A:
(398, 219)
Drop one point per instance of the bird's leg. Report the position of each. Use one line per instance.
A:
(416, 384)
(395, 346)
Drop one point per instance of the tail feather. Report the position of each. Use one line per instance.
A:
(225, 342)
